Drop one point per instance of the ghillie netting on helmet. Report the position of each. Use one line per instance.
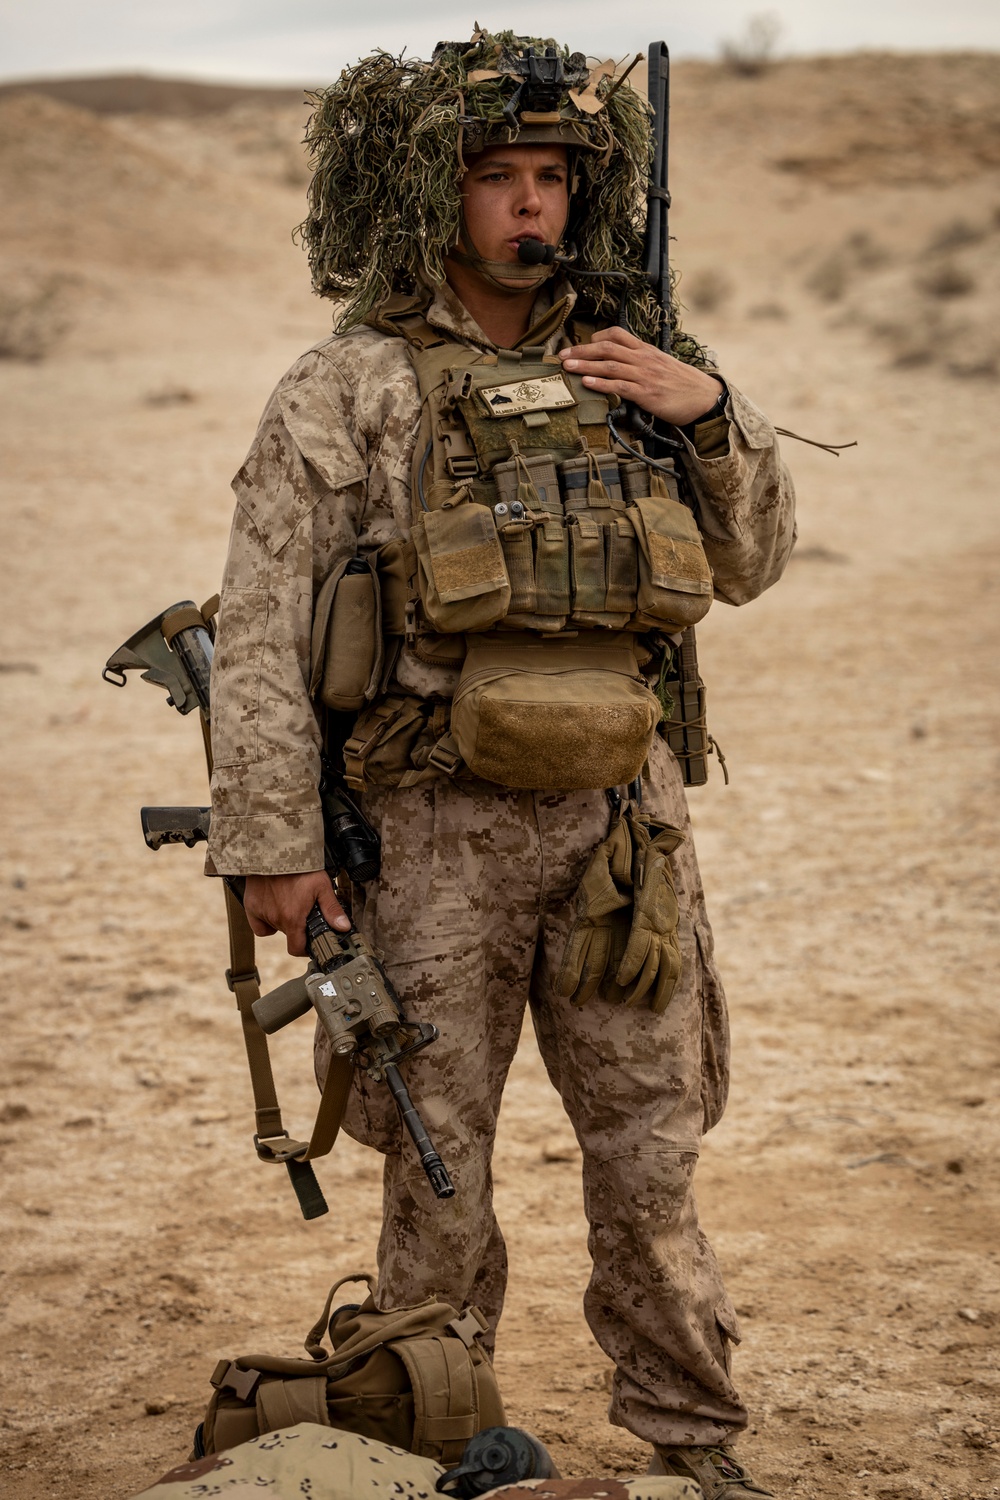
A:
(386, 149)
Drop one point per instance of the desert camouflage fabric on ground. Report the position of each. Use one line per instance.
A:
(471, 913)
(321, 1464)
(328, 473)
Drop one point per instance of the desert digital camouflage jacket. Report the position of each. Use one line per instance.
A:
(328, 474)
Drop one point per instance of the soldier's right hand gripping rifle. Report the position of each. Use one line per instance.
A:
(346, 984)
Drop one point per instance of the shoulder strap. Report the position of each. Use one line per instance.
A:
(402, 316)
(284, 1403)
(445, 1397)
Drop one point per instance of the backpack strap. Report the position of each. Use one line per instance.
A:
(445, 1396)
(283, 1403)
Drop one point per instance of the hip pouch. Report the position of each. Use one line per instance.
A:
(556, 715)
(415, 1378)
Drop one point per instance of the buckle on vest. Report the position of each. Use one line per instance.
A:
(444, 758)
(461, 467)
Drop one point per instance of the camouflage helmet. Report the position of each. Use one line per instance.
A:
(388, 143)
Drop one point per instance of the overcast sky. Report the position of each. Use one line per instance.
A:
(309, 40)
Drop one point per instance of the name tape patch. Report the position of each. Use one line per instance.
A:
(548, 393)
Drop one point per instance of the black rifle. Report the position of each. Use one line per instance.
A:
(657, 249)
(346, 985)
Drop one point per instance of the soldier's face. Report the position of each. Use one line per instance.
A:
(513, 193)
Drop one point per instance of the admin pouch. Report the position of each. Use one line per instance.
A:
(415, 1378)
(553, 715)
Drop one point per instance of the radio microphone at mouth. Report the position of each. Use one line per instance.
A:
(537, 253)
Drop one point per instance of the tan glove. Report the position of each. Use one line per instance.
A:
(651, 964)
(598, 938)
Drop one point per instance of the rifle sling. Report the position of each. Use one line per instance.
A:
(271, 1139)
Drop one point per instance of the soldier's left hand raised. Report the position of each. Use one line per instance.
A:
(616, 363)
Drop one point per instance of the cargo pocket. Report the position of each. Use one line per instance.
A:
(675, 580)
(463, 575)
(714, 1032)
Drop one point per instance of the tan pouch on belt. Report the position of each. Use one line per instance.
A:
(556, 715)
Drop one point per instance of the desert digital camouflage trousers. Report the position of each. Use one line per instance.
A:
(471, 913)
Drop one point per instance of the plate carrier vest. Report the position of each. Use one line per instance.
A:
(540, 553)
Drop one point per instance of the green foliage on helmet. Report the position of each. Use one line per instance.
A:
(386, 146)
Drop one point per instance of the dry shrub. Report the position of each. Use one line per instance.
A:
(707, 291)
(866, 253)
(830, 278)
(976, 366)
(946, 279)
(956, 234)
(34, 314)
(753, 53)
(767, 310)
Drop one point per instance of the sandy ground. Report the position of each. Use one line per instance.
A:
(850, 867)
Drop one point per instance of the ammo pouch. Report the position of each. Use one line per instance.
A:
(553, 715)
(415, 1378)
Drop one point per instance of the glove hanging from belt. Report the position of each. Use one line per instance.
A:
(623, 945)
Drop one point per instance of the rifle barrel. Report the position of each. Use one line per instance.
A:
(658, 201)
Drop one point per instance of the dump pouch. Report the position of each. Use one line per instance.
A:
(347, 652)
(560, 715)
(675, 580)
(463, 579)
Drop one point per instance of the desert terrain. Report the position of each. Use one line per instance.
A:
(837, 224)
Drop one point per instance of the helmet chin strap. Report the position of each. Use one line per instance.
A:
(530, 278)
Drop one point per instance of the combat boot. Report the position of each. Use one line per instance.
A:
(718, 1472)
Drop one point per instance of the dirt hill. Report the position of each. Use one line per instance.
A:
(138, 93)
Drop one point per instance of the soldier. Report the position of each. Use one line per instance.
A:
(437, 535)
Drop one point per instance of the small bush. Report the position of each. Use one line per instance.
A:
(706, 291)
(753, 52)
(955, 235)
(34, 315)
(830, 278)
(946, 279)
(867, 253)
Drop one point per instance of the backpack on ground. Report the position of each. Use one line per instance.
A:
(415, 1378)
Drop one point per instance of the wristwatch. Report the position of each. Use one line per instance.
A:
(718, 410)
